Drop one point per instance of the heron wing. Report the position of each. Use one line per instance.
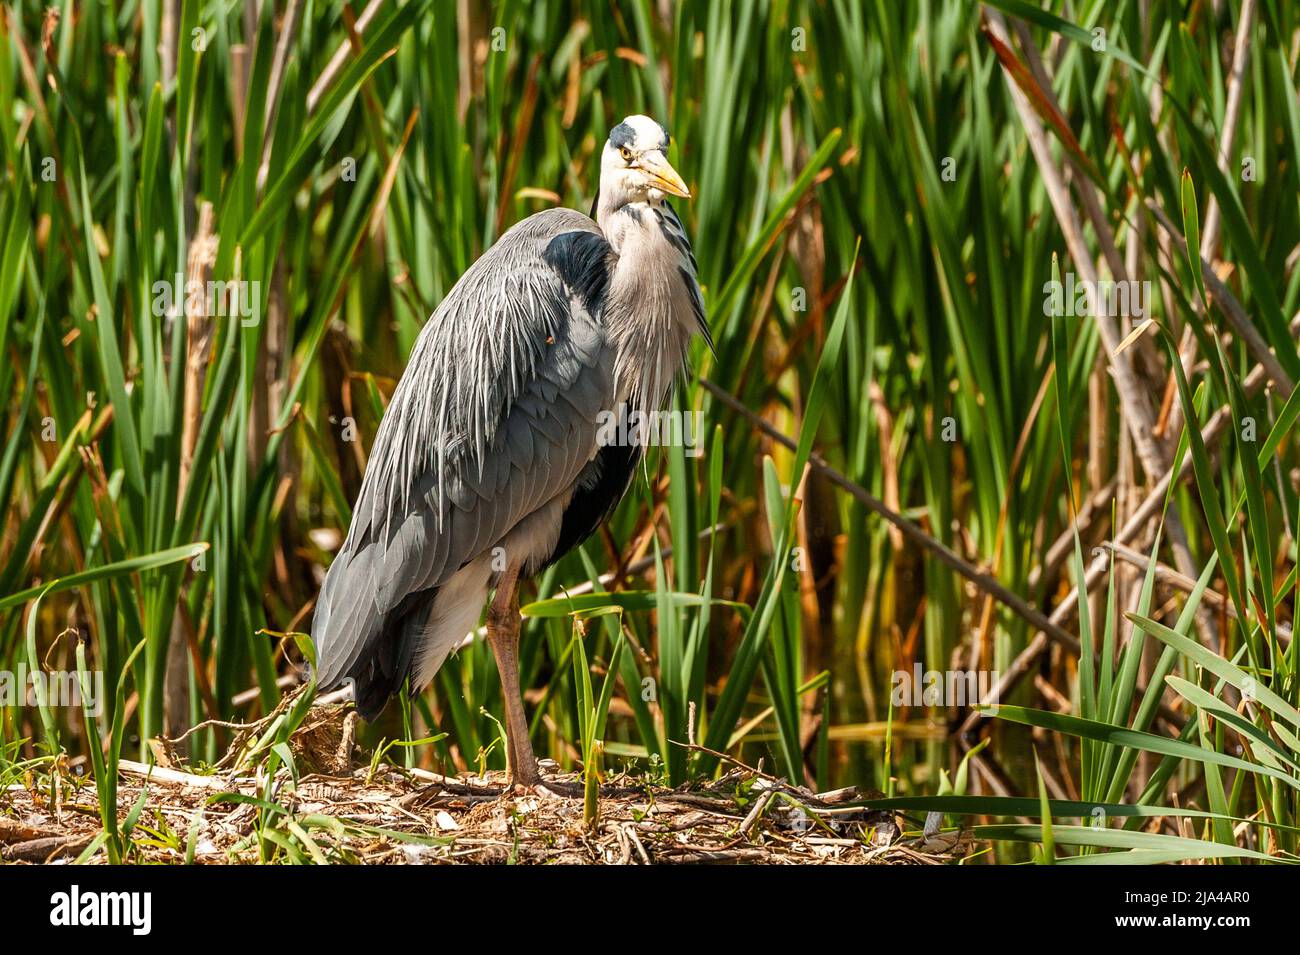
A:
(495, 417)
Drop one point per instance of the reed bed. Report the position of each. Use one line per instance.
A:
(1005, 300)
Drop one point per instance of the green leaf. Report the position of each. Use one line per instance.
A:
(1121, 736)
(116, 569)
(1170, 848)
(1192, 231)
(631, 600)
(1251, 686)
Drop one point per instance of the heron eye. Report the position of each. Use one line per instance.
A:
(625, 153)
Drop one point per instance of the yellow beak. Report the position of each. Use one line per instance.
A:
(664, 176)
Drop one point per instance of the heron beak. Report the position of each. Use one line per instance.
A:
(663, 176)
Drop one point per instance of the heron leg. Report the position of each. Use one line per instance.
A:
(503, 638)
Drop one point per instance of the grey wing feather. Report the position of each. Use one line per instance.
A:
(495, 416)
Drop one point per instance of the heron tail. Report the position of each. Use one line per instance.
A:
(357, 643)
(375, 651)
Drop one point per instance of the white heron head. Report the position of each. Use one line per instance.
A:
(633, 167)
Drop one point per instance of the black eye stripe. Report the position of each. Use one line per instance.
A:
(622, 135)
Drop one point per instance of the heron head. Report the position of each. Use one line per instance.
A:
(633, 167)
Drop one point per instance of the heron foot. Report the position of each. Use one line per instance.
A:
(547, 789)
(541, 790)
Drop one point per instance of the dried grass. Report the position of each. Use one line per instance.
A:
(391, 815)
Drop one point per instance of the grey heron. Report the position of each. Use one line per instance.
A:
(491, 461)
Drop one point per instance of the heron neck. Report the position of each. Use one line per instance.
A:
(621, 223)
(647, 310)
